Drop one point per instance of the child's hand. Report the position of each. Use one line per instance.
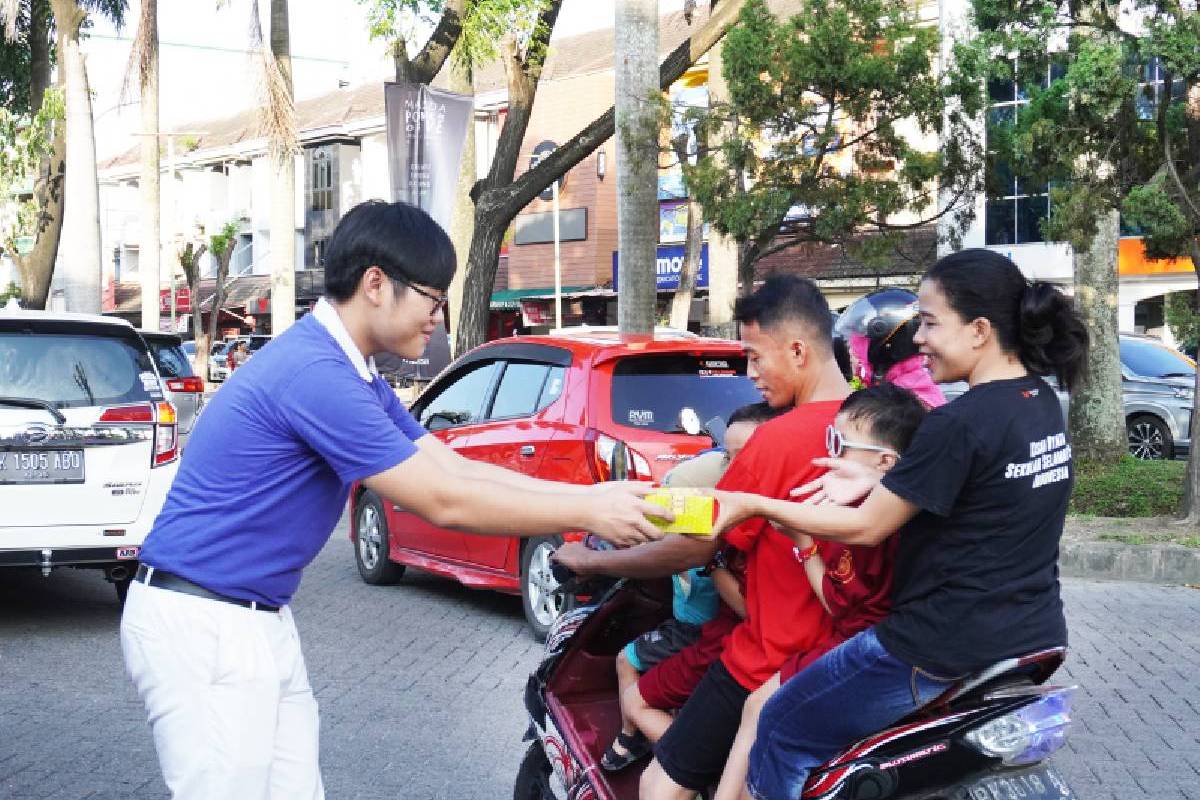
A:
(845, 483)
(734, 508)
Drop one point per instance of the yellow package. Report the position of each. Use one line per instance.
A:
(694, 511)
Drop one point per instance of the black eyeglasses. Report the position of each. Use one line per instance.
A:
(439, 303)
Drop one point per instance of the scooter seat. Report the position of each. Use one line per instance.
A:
(1034, 668)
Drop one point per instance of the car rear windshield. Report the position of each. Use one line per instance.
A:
(171, 360)
(1154, 360)
(74, 370)
(650, 391)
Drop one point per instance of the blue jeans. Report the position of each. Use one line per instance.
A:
(854, 690)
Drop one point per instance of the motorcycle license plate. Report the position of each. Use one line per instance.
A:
(1042, 782)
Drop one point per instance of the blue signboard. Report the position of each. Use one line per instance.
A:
(670, 264)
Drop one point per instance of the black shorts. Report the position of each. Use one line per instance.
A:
(693, 750)
(658, 645)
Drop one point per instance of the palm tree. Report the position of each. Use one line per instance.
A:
(79, 253)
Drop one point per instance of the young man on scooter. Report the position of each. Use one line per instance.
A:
(786, 330)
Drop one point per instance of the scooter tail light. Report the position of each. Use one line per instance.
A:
(1029, 734)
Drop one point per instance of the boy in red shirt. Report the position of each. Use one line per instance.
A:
(852, 582)
(786, 330)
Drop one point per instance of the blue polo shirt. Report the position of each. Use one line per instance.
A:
(268, 468)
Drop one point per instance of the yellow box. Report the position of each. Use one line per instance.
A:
(694, 511)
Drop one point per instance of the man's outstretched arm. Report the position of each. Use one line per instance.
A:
(667, 556)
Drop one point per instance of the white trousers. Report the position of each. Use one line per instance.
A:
(227, 695)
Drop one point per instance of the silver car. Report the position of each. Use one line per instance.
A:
(183, 388)
(218, 367)
(1157, 391)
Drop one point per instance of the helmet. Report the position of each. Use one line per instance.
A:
(879, 329)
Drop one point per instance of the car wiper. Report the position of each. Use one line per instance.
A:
(30, 402)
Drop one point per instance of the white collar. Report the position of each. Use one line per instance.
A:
(327, 315)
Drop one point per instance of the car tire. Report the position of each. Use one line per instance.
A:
(371, 543)
(1149, 438)
(533, 777)
(542, 606)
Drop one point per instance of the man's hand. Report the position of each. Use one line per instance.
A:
(619, 514)
(845, 483)
(733, 509)
(574, 556)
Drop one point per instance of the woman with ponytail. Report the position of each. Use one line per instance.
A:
(979, 498)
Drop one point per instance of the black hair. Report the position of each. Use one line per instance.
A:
(1033, 321)
(400, 239)
(892, 413)
(788, 298)
(756, 413)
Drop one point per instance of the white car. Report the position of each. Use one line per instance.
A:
(89, 444)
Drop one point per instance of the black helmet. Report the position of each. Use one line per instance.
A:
(879, 329)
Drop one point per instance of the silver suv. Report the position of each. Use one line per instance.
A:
(183, 388)
(1157, 391)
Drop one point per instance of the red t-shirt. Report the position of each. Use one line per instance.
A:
(858, 587)
(783, 616)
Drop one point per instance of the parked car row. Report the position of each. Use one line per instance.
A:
(89, 438)
(218, 354)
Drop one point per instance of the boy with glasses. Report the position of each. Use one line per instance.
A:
(852, 582)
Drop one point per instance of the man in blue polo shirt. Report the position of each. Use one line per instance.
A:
(207, 632)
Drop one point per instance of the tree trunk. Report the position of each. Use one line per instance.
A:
(80, 259)
(462, 221)
(150, 246)
(36, 268)
(637, 125)
(39, 53)
(681, 303)
(283, 191)
(722, 251)
(218, 300)
(1097, 422)
(477, 290)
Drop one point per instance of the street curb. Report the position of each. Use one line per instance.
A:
(1144, 563)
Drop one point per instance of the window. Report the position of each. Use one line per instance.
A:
(650, 391)
(461, 401)
(70, 371)
(170, 359)
(1151, 85)
(320, 178)
(1015, 208)
(1152, 360)
(519, 390)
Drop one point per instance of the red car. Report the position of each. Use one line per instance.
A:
(553, 407)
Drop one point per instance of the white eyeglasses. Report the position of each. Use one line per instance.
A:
(837, 444)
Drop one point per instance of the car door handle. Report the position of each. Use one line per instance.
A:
(528, 450)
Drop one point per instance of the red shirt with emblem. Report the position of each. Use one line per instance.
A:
(783, 616)
(857, 587)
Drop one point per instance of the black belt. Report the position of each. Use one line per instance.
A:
(152, 576)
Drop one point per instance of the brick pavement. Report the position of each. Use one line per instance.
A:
(420, 688)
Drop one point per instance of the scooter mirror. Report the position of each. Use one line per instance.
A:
(716, 429)
(689, 421)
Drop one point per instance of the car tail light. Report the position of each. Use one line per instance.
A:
(166, 434)
(143, 413)
(166, 427)
(602, 448)
(194, 385)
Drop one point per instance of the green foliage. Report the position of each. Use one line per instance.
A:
(821, 114)
(1129, 488)
(24, 142)
(1098, 138)
(1182, 319)
(222, 242)
(9, 292)
(484, 24)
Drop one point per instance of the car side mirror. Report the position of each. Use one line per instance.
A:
(439, 421)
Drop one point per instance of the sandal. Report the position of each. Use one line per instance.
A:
(635, 745)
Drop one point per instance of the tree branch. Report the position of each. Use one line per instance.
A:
(428, 63)
(519, 193)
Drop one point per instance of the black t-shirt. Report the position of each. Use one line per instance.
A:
(976, 576)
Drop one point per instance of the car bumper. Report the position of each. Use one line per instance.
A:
(48, 558)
